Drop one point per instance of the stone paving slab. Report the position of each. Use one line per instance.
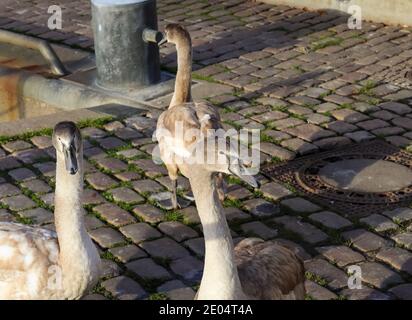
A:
(301, 77)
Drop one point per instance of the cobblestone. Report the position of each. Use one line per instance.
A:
(370, 125)
(110, 269)
(398, 258)
(42, 141)
(92, 222)
(341, 255)
(258, 229)
(261, 208)
(124, 288)
(336, 278)
(236, 192)
(276, 151)
(309, 132)
(403, 291)
(16, 146)
(6, 216)
(308, 232)
(149, 213)
(300, 205)
(113, 165)
(36, 186)
(8, 163)
(404, 239)
(164, 248)
(147, 269)
(275, 191)
(341, 127)
(106, 237)
(30, 156)
(197, 245)
(150, 169)
(7, 189)
(176, 290)
(379, 276)
(90, 197)
(146, 186)
(177, 230)
(330, 220)
(303, 102)
(140, 232)
(128, 253)
(125, 195)
(299, 146)
(18, 203)
(379, 223)
(396, 107)
(332, 143)
(399, 215)
(190, 268)
(402, 122)
(360, 136)
(318, 292)
(100, 181)
(164, 200)
(38, 215)
(365, 241)
(114, 215)
(364, 294)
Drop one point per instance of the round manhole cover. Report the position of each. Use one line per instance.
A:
(358, 180)
(366, 175)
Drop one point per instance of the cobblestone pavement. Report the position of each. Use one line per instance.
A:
(303, 78)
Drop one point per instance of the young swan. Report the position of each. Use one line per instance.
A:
(182, 110)
(37, 263)
(254, 269)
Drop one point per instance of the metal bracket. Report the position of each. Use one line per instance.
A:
(41, 45)
(154, 36)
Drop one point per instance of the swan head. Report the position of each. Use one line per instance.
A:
(67, 141)
(175, 33)
(235, 166)
(223, 157)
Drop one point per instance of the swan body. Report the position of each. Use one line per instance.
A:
(37, 263)
(26, 256)
(269, 271)
(254, 269)
(192, 116)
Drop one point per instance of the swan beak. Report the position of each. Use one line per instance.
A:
(71, 160)
(243, 174)
(163, 41)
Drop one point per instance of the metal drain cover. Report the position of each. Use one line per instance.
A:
(366, 175)
(358, 180)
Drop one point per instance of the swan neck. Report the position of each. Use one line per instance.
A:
(220, 278)
(69, 219)
(182, 93)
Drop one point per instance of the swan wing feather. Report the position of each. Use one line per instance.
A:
(268, 270)
(26, 253)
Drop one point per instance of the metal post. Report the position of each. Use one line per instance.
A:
(125, 42)
(41, 45)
